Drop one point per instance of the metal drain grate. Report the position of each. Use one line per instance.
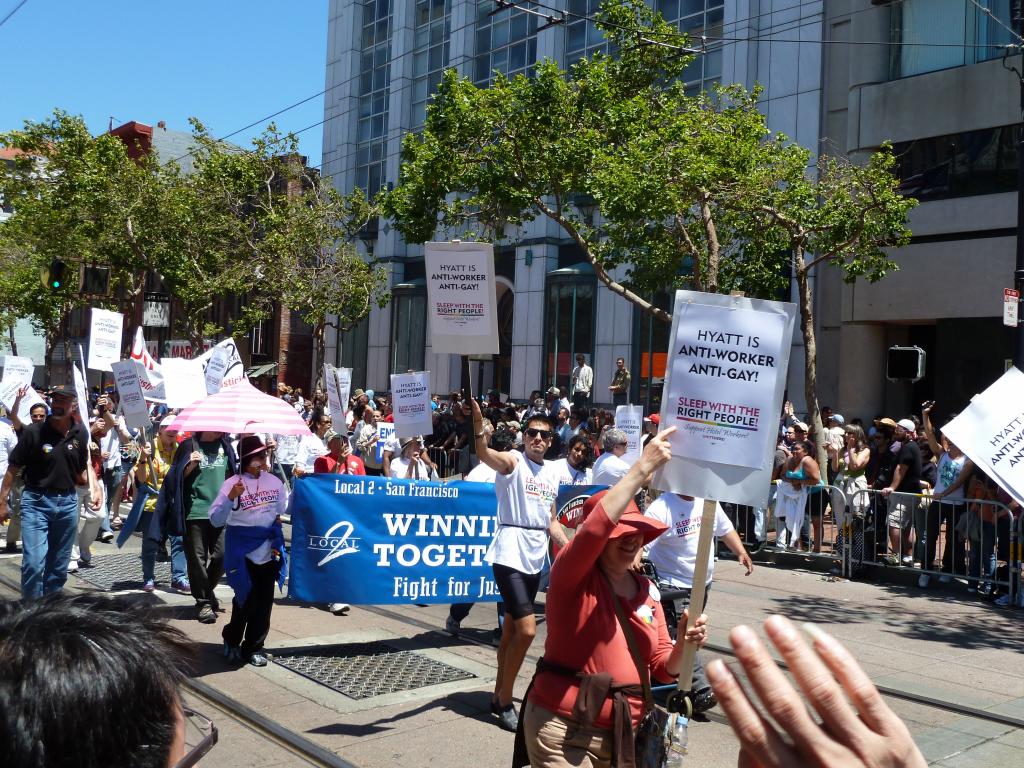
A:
(365, 670)
(122, 570)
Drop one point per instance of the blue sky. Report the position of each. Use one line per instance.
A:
(227, 62)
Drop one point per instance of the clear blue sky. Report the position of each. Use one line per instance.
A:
(227, 62)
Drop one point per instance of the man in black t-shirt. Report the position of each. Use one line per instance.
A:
(55, 456)
(906, 480)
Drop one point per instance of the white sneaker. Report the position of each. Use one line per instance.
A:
(72, 566)
(339, 609)
(923, 580)
(907, 560)
(945, 578)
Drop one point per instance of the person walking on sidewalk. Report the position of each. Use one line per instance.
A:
(251, 503)
(153, 465)
(201, 465)
(674, 554)
(54, 454)
(526, 487)
(36, 413)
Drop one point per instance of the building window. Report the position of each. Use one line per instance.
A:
(570, 322)
(506, 42)
(408, 326)
(582, 37)
(698, 18)
(981, 162)
(374, 80)
(431, 56)
(352, 351)
(940, 34)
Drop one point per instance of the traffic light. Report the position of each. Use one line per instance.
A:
(54, 277)
(904, 364)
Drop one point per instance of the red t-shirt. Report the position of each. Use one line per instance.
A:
(328, 465)
(583, 631)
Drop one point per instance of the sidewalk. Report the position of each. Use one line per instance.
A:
(936, 643)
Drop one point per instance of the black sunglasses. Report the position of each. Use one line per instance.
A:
(533, 432)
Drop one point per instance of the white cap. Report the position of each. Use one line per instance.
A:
(908, 425)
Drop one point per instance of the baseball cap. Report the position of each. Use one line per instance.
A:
(838, 419)
(907, 424)
(64, 390)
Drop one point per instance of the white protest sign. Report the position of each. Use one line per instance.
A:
(630, 419)
(133, 400)
(104, 338)
(385, 431)
(216, 367)
(184, 381)
(410, 404)
(725, 377)
(991, 432)
(344, 387)
(82, 394)
(18, 372)
(461, 302)
(151, 375)
(235, 371)
(333, 397)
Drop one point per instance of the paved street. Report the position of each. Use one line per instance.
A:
(938, 644)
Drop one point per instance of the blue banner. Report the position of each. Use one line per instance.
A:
(376, 541)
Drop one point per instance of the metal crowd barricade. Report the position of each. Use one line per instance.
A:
(450, 461)
(830, 502)
(970, 537)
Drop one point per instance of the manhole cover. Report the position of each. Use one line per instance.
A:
(365, 670)
(121, 571)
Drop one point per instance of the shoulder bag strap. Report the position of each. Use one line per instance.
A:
(641, 668)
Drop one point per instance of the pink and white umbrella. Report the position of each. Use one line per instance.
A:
(241, 408)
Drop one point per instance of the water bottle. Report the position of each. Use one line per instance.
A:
(676, 752)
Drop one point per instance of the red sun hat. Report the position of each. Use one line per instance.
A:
(632, 522)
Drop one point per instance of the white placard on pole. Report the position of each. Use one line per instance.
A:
(133, 399)
(333, 397)
(344, 378)
(151, 374)
(216, 367)
(410, 399)
(104, 338)
(18, 372)
(1011, 304)
(725, 377)
(461, 298)
(82, 394)
(991, 432)
(184, 381)
(235, 371)
(630, 419)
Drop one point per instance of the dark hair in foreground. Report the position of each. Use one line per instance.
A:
(88, 680)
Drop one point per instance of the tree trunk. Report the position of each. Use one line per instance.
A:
(319, 353)
(810, 359)
(14, 341)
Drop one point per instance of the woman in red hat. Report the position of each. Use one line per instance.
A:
(586, 689)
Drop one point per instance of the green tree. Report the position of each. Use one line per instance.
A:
(693, 191)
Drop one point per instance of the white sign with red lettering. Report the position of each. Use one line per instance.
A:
(1011, 303)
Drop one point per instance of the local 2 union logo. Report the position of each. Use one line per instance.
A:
(336, 542)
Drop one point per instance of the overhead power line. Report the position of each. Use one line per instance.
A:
(12, 12)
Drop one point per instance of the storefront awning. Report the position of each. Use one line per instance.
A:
(265, 369)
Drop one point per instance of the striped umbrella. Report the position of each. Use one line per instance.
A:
(241, 408)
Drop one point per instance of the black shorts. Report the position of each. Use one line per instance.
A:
(517, 589)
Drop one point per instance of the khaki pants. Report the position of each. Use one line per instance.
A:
(553, 741)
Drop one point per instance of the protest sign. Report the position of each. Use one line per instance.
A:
(385, 432)
(234, 372)
(333, 398)
(133, 400)
(82, 394)
(216, 367)
(461, 303)
(376, 541)
(991, 432)
(630, 419)
(344, 376)
(104, 338)
(410, 402)
(724, 383)
(151, 376)
(18, 372)
(184, 382)
(569, 508)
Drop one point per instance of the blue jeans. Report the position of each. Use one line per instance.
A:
(49, 524)
(149, 547)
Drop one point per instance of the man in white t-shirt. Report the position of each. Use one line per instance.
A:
(674, 554)
(526, 487)
(610, 467)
